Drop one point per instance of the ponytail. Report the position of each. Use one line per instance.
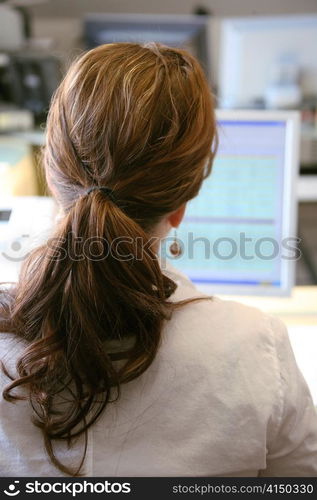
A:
(139, 120)
(69, 305)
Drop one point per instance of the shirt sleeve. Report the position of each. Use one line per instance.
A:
(292, 443)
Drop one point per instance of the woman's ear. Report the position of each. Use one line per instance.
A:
(176, 217)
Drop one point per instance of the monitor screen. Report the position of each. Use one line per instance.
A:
(239, 233)
(259, 52)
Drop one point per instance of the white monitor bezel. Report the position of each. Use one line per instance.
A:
(289, 218)
(234, 31)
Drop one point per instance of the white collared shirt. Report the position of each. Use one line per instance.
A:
(223, 397)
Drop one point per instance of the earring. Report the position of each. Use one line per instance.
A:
(175, 247)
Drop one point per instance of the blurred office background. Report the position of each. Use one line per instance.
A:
(256, 55)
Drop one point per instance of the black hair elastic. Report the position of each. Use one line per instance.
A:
(107, 191)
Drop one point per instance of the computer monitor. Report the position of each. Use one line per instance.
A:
(253, 48)
(238, 235)
(191, 32)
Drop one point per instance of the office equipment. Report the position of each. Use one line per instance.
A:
(238, 234)
(188, 31)
(254, 49)
(25, 222)
(27, 82)
(33, 79)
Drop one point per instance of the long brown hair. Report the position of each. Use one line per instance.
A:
(139, 121)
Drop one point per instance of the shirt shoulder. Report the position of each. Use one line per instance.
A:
(228, 321)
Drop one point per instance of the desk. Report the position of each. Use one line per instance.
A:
(299, 313)
(299, 309)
